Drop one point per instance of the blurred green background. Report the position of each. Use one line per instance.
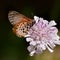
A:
(15, 48)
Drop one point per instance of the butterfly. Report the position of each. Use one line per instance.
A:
(21, 24)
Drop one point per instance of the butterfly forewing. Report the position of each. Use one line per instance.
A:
(15, 17)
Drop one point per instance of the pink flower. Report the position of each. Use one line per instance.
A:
(42, 35)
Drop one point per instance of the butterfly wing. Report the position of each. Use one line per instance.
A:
(21, 24)
(14, 17)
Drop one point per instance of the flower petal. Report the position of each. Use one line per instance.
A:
(29, 39)
(30, 48)
(32, 53)
(52, 23)
(33, 43)
(49, 48)
(36, 18)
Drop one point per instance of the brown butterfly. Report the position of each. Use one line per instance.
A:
(21, 24)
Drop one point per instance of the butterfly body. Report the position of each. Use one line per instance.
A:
(21, 24)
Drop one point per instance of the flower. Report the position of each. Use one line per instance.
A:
(41, 36)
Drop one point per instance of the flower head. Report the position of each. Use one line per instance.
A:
(41, 36)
